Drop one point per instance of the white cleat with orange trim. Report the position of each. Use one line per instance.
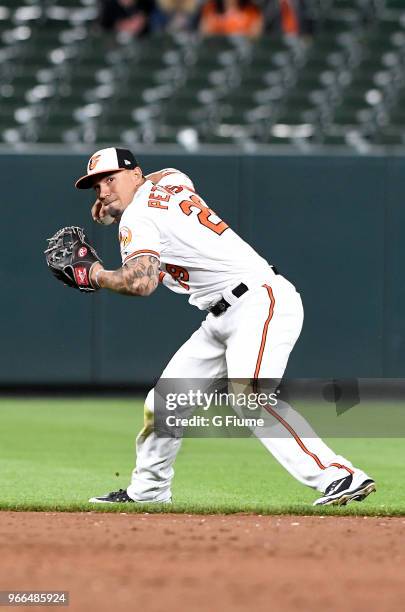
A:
(354, 487)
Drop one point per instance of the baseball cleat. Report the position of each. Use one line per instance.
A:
(120, 497)
(355, 487)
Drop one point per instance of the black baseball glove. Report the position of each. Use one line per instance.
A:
(70, 258)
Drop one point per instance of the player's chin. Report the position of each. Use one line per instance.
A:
(113, 209)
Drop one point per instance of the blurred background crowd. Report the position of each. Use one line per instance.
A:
(242, 73)
(209, 17)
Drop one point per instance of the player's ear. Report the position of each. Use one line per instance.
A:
(137, 175)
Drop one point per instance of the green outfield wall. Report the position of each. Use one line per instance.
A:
(334, 225)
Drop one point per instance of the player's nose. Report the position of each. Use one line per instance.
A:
(104, 192)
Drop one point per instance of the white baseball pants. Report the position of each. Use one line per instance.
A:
(252, 339)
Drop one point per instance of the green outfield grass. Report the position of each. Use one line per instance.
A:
(55, 454)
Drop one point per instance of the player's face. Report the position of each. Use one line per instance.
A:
(115, 191)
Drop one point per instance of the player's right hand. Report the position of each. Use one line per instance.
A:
(99, 215)
(95, 211)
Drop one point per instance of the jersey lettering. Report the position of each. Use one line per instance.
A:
(203, 215)
(155, 198)
(155, 204)
(174, 188)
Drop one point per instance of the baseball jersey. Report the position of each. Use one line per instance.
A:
(200, 255)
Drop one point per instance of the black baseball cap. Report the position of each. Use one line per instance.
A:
(104, 161)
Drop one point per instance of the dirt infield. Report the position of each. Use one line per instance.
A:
(211, 563)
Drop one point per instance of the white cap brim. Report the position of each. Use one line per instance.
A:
(87, 181)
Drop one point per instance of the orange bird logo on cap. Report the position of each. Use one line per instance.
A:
(93, 162)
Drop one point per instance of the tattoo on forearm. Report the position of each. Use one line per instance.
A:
(140, 276)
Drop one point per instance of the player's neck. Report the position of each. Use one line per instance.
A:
(142, 181)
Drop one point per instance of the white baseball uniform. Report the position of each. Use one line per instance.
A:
(200, 256)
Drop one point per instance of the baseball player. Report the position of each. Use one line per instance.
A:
(169, 235)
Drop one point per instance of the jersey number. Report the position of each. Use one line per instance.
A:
(203, 214)
(178, 274)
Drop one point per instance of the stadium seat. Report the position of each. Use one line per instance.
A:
(350, 113)
(229, 89)
(111, 134)
(216, 138)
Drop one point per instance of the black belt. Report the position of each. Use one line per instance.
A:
(222, 305)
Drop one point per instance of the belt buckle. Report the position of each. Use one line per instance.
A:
(219, 308)
(222, 305)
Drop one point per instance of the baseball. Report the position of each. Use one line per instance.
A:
(106, 220)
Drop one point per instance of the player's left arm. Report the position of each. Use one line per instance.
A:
(155, 177)
(139, 276)
(171, 176)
